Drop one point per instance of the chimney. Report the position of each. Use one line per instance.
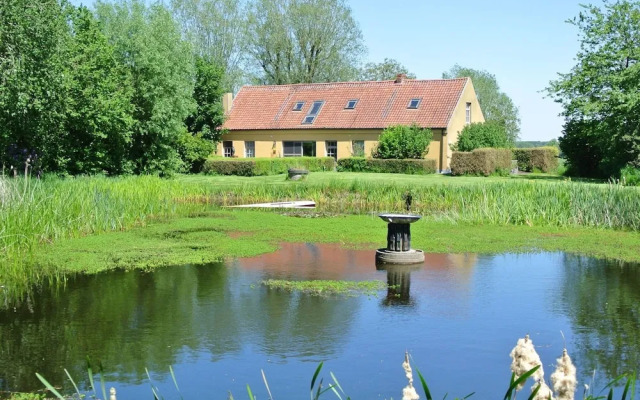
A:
(400, 78)
(227, 102)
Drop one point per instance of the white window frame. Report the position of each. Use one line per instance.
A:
(467, 114)
(331, 149)
(227, 151)
(250, 149)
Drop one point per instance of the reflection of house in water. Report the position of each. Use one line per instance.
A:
(312, 261)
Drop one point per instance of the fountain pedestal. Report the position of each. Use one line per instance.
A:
(399, 249)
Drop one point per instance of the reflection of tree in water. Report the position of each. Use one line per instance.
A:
(135, 320)
(127, 320)
(603, 300)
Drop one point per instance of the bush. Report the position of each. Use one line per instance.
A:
(481, 162)
(480, 135)
(414, 167)
(403, 142)
(266, 166)
(544, 159)
(193, 151)
(630, 176)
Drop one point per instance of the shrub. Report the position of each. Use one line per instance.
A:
(544, 159)
(266, 166)
(193, 151)
(415, 167)
(480, 135)
(401, 141)
(630, 176)
(481, 162)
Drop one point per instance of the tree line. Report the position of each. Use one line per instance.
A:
(129, 87)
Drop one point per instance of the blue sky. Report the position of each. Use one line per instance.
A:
(525, 44)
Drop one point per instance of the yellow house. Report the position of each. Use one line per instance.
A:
(345, 119)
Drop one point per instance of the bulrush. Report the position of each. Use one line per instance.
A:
(524, 358)
(564, 378)
(409, 392)
(544, 393)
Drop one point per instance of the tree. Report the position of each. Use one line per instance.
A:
(401, 141)
(33, 39)
(303, 41)
(600, 95)
(99, 111)
(160, 63)
(384, 71)
(496, 105)
(216, 30)
(482, 134)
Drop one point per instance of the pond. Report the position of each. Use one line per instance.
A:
(459, 315)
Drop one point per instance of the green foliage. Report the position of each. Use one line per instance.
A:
(599, 95)
(325, 287)
(525, 144)
(33, 38)
(543, 159)
(149, 44)
(267, 166)
(99, 112)
(216, 30)
(481, 135)
(194, 151)
(401, 141)
(385, 71)
(496, 105)
(294, 41)
(481, 162)
(630, 176)
(207, 93)
(404, 166)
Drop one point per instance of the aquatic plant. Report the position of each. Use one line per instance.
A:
(564, 377)
(327, 287)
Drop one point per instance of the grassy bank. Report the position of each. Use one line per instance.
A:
(516, 213)
(214, 236)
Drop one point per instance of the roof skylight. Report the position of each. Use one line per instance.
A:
(414, 103)
(313, 112)
(351, 104)
(298, 106)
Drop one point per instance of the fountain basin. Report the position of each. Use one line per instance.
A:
(386, 256)
(399, 218)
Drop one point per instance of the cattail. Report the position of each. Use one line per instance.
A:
(544, 393)
(564, 378)
(409, 392)
(524, 358)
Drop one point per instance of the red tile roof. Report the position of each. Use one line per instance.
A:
(380, 104)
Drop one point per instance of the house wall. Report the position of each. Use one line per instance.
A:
(458, 118)
(268, 143)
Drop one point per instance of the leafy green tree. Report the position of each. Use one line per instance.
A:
(384, 71)
(208, 115)
(600, 95)
(496, 105)
(217, 32)
(33, 39)
(482, 134)
(401, 141)
(303, 41)
(149, 43)
(99, 111)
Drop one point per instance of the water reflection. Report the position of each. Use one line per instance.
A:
(602, 298)
(217, 321)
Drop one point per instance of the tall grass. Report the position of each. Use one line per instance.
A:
(33, 212)
(520, 203)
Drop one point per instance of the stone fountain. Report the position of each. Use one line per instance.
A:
(399, 249)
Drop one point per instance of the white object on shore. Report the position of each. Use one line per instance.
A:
(280, 204)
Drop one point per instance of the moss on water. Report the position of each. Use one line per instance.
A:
(218, 235)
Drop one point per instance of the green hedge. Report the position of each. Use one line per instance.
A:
(481, 162)
(544, 159)
(266, 166)
(360, 164)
